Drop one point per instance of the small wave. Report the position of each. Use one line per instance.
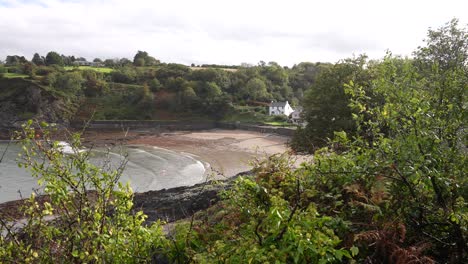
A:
(67, 149)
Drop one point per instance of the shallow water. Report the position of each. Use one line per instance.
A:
(148, 168)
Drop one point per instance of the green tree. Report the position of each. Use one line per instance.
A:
(139, 62)
(109, 63)
(413, 141)
(446, 48)
(143, 59)
(38, 60)
(256, 89)
(326, 104)
(70, 82)
(94, 85)
(15, 60)
(155, 85)
(211, 90)
(53, 58)
(29, 69)
(124, 75)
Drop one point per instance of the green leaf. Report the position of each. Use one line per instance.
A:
(354, 251)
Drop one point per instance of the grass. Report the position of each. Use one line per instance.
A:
(204, 68)
(98, 69)
(276, 123)
(14, 75)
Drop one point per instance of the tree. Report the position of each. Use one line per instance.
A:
(38, 60)
(143, 59)
(124, 62)
(303, 75)
(70, 82)
(447, 48)
(255, 89)
(110, 62)
(211, 90)
(15, 59)
(124, 75)
(67, 60)
(98, 60)
(326, 104)
(94, 85)
(155, 85)
(413, 140)
(29, 69)
(53, 58)
(139, 62)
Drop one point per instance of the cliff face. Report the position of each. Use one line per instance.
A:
(22, 99)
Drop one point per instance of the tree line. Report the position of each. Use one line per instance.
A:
(388, 186)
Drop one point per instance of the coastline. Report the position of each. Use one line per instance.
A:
(224, 153)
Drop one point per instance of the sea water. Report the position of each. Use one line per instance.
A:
(147, 168)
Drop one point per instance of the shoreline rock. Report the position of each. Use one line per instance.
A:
(168, 205)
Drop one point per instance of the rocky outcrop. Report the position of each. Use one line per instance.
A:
(168, 204)
(22, 99)
(177, 203)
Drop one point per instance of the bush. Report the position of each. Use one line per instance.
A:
(15, 69)
(266, 219)
(87, 217)
(44, 70)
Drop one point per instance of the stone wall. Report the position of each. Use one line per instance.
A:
(284, 131)
(137, 124)
(182, 125)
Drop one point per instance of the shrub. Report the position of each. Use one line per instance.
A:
(87, 217)
(266, 219)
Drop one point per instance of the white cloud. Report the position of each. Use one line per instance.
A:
(228, 32)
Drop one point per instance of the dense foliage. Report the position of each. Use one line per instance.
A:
(327, 106)
(87, 216)
(389, 186)
(177, 90)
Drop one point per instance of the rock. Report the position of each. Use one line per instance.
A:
(177, 203)
(22, 99)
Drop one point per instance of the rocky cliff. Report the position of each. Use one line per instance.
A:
(22, 99)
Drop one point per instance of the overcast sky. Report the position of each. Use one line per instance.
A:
(222, 32)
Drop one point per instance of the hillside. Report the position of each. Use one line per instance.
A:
(22, 99)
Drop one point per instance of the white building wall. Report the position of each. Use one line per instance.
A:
(286, 110)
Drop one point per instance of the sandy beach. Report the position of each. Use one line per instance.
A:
(224, 152)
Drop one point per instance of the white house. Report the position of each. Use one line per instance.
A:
(280, 108)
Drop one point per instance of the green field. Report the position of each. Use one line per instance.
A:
(98, 69)
(280, 124)
(14, 75)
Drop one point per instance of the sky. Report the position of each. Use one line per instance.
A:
(222, 32)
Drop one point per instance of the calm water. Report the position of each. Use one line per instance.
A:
(148, 168)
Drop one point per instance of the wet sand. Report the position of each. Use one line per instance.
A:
(224, 152)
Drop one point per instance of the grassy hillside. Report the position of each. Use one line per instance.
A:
(98, 69)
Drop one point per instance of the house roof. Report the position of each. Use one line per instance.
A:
(278, 104)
